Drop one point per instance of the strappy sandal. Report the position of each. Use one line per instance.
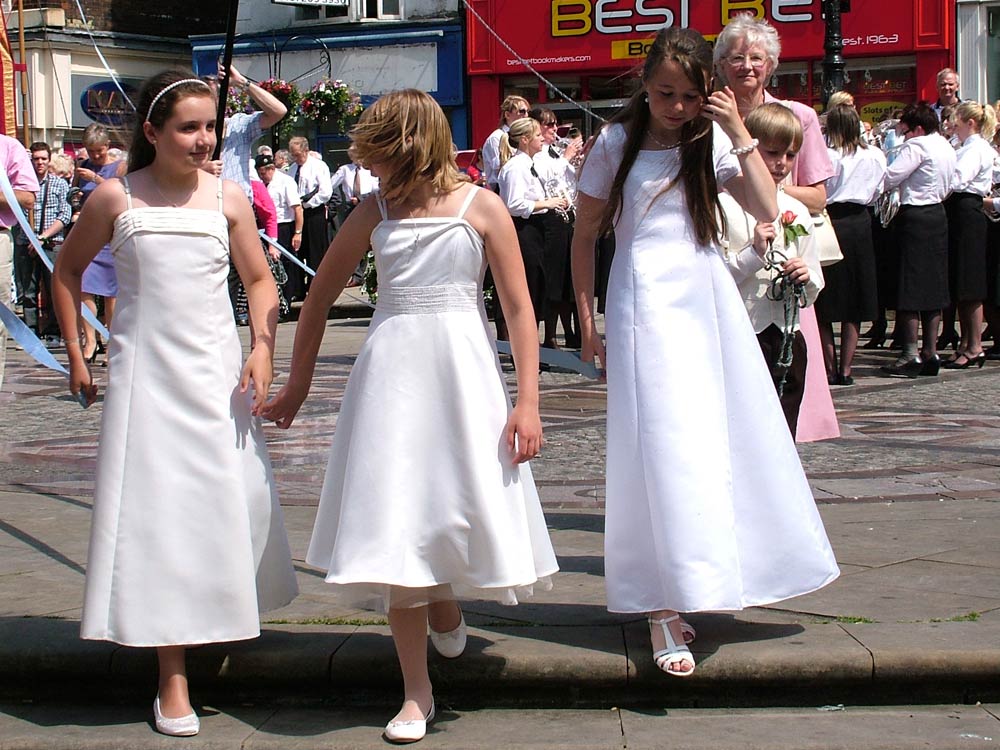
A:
(688, 631)
(673, 654)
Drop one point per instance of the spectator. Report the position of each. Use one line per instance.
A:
(288, 205)
(512, 108)
(947, 86)
(51, 216)
(282, 160)
(312, 176)
(22, 178)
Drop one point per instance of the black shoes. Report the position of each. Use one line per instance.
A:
(904, 368)
(964, 361)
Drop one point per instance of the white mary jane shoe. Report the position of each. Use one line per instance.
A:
(409, 731)
(182, 726)
(451, 645)
(674, 653)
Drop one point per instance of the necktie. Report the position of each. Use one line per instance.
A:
(357, 182)
(298, 176)
(540, 181)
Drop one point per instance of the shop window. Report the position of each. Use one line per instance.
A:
(613, 87)
(993, 54)
(879, 85)
(377, 10)
(526, 86)
(339, 12)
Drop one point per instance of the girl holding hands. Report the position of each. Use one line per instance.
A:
(707, 504)
(427, 495)
(187, 541)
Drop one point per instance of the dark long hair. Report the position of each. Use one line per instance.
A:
(141, 152)
(691, 52)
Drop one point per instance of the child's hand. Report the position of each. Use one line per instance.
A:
(593, 351)
(284, 406)
(526, 426)
(81, 381)
(721, 107)
(258, 368)
(796, 270)
(763, 234)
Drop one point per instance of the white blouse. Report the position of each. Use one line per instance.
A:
(923, 170)
(974, 173)
(858, 177)
(519, 188)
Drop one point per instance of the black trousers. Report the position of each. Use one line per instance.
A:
(33, 277)
(315, 238)
(795, 383)
(295, 287)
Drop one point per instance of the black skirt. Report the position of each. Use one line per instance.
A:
(851, 292)
(558, 241)
(920, 233)
(531, 238)
(966, 247)
(886, 263)
(993, 261)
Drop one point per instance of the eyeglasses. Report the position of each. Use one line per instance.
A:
(521, 111)
(751, 61)
(904, 132)
(551, 123)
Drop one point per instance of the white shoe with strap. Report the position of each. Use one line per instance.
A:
(674, 653)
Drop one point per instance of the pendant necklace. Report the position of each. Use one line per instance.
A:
(170, 202)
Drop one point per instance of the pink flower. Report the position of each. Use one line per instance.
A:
(787, 218)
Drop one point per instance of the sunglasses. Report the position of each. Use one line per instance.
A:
(520, 111)
(551, 123)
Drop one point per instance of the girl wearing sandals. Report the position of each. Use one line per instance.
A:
(427, 494)
(707, 504)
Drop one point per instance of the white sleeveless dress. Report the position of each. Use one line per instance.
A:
(187, 540)
(420, 491)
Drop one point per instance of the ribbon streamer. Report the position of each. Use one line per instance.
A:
(29, 232)
(28, 341)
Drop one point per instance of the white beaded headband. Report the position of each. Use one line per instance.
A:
(173, 85)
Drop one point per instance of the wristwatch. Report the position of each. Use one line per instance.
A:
(298, 231)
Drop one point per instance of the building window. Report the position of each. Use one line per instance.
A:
(324, 13)
(382, 9)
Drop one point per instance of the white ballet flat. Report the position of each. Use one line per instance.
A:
(451, 645)
(182, 726)
(413, 730)
(673, 653)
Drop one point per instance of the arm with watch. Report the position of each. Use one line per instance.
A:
(297, 232)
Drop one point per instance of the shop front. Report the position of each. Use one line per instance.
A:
(592, 49)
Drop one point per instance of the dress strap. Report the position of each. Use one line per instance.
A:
(381, 206)
(218, 193)
(128, 192)
(469, 197)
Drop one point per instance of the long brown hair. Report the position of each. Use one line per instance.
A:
(691, 52)
(843, 129)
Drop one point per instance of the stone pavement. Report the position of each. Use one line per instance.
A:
(909, 495)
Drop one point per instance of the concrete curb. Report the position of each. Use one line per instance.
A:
(740, 664)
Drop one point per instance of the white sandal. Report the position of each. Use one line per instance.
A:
(688, 631)
(673, 654)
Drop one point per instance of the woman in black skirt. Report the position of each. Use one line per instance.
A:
(974, 127)
(523, 190)
(923, 171)
(851, 292)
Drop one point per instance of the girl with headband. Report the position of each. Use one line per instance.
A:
(187, 542)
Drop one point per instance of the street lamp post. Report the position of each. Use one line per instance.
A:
(833, 48)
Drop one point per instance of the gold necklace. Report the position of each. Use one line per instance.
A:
(660, 143)
(170, 202)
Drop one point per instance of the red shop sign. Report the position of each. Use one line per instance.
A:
(580, 35)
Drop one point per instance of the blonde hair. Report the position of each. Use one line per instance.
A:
(510, 104)
(838, 98)
(61, 165)
(520, 128)
(984, 116)
(775, 124)
(299, 141)
(407, 134)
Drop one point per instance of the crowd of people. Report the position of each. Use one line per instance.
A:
(720, 296)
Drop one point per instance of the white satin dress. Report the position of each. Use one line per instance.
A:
(421, 499)
(707, 504)
(187, 540)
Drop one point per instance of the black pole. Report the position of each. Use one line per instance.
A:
(833, 47)
(227, 61)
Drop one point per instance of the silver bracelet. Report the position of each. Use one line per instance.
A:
(743, 150)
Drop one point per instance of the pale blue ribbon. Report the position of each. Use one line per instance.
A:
(554, 357)
(29, 232)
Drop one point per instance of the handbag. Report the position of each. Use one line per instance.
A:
(827, 245)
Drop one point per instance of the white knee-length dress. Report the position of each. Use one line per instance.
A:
(420, 491)
(187, 540)
(707, 504)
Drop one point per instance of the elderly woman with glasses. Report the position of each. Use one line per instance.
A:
(746, 56)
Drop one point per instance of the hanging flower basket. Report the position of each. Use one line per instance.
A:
(331, 103)
(288, 94)
(238, 100)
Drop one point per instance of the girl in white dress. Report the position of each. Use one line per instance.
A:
(187, 542)
(707, 504)
(427, 496)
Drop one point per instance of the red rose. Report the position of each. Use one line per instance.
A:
(788, 217)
